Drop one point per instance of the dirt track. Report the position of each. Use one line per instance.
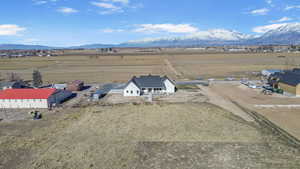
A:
(225, 103)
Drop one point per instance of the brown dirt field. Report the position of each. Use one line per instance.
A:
(91, 68)
(157, 136)
(224, 65)
(286, 118)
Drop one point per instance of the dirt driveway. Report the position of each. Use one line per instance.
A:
(286, 118)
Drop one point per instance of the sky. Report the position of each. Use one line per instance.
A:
(62, 23)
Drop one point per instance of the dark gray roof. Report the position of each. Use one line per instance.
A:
(290, 78)
(149, 81)
(8, 84)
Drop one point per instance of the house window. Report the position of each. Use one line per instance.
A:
(127, 91)
(137, 92)
(131, 92)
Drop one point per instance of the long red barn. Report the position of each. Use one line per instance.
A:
(32, 98)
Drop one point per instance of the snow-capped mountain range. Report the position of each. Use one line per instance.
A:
(285, 34)
(213, 35)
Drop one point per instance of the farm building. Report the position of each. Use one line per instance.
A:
(145, 85)
(32, 98)
(60, 86)
(290, 82)
(76, 85)
(112, 88)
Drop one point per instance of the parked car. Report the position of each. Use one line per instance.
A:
(252, 86)
(229, 79)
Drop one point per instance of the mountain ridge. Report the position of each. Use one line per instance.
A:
(286, 34)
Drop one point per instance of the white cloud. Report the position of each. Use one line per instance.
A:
(117, 1)
(266, 28)
(114, 6)
(41, 2)
(10, 30)
(283, 19)
(67, 10)
(105, 5)
(109, 30)
(290, 7)
(170, 28)
(262, 11)
(109, 8)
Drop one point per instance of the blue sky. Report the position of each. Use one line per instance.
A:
(76, 22)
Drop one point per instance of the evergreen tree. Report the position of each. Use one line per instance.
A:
(37, 78)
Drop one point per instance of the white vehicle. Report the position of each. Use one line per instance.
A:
(252, 86)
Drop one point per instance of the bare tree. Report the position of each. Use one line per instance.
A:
(13, 77)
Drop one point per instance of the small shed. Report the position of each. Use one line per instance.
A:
(98, 94)
(76, 85)
(60, 86)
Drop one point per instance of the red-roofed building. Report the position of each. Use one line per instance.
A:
(32, 98)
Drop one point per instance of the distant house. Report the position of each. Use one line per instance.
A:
(60, 86)
(290, 82)
(11, 85)
(145, 85)
(76, 85)
(32, 98)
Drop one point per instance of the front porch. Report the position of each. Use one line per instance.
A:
(153, 91)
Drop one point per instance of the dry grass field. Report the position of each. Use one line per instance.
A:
(224, 65)
(91, 67)
(155, 136)
(161, 136)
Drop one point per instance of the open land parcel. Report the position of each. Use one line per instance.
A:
(160, 135)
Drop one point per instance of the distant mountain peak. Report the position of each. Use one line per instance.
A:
(285, 28)
(210, 35)
(288, 33)
(219, 34)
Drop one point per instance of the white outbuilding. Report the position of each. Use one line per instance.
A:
(32, 98)
(150, 84)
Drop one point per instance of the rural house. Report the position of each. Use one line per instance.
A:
(290, 82)
(32, 98)
(145, 85)
(76, 85)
